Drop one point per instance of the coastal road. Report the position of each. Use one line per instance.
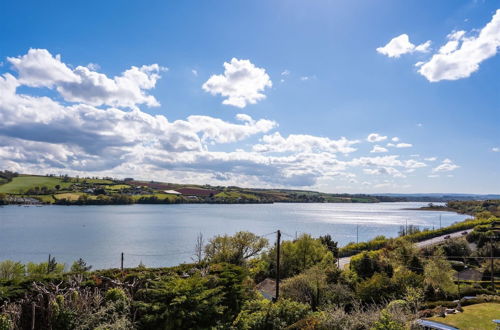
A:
(436, 240)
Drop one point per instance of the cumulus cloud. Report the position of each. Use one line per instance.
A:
(401, 45)
(378, 149)
(38, 68)
(462, 55)
(495, 149)
(391, 171)
(404, 145)
(304, 143)
(242, 83)
(446, 165)
(41, 134)
(375, 137)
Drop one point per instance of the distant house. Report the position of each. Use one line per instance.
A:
(267, 288)
(469, 275)
(172, 192)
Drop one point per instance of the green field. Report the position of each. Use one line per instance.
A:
(20, 184)
(97, 181)
(117, 187)
(68, 196)
(159, 196)
(49, 199)
(234, 194)
(474, 317)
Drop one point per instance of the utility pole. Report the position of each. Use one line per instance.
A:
(278, 243)
(122, 263)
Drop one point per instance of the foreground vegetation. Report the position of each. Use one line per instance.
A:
(383, 289)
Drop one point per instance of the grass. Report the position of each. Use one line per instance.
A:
(21, 184)
(234, 194)
(97, 181)
(159, 196)
(117, 187)
(474, 317)
(68, 196)
(49, 199)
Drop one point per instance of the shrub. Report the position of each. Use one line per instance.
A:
(263, 314)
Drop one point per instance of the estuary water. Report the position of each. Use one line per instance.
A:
(165, 235)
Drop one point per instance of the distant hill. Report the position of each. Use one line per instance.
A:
(442, 197)
(51, 189)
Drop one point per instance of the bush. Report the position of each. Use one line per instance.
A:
(376, 289)
(11, 270)
(263, 314)
(5, 322)
(368, 263)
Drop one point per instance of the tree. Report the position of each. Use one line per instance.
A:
(376, 289)
(312, 287)
(368, 263)
(234, 249)
(438, 276)
(299, 255)
(198, 249)
(80, 266)
(330, 244)
(11, 270)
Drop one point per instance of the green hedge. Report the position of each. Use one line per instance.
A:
(354, 248)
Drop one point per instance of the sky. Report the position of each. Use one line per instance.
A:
(336, 96)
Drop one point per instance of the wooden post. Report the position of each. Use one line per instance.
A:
(278, 244)
(32, 316)
(122, 263)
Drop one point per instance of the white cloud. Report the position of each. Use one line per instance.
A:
(401, 45)
(40, 134)
(461, 55)
(404, 145)
(38, 68)
(285, 73)
(304, 143)
(375, 137)
(446, 165)
(395, 139)
(431, 159)
(241, 84)
(194, 72)
(385, 171)
(378, 149)
(495, 149)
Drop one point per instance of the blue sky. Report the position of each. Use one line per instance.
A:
(304, 75)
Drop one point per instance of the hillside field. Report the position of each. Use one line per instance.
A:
(20, 184)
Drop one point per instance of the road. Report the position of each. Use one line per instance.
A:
(439, 239)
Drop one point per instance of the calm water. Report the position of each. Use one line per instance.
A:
(164, 235)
